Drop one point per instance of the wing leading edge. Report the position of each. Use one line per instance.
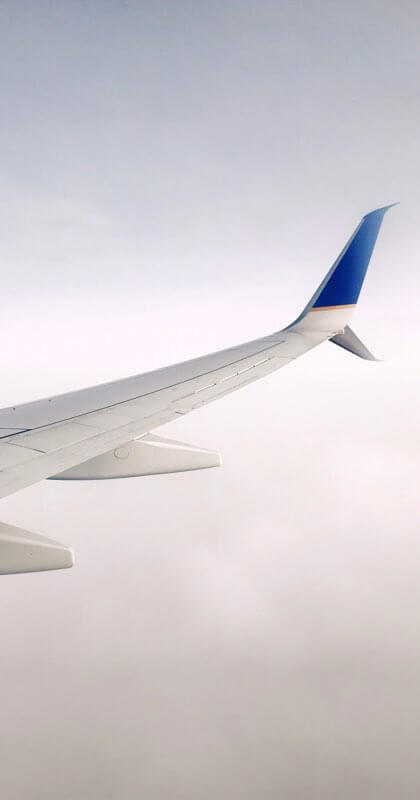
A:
(41, 439)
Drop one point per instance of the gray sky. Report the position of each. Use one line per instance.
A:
(178, 177)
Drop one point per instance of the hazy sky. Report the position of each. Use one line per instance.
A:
(177, 177)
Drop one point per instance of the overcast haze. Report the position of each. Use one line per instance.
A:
(178, 177)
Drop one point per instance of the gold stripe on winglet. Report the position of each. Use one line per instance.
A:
(333, 308)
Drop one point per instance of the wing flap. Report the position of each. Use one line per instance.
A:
(12, 454)
(56, 436)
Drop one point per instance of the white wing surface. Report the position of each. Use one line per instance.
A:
(49, 438)
(55, 434)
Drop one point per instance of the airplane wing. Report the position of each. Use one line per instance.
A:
(104, 431)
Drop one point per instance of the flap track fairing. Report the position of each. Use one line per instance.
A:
(149, 455)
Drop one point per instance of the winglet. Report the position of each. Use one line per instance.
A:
(349, 341)
(341, 286)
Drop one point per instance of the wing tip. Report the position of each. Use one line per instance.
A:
(380, 211)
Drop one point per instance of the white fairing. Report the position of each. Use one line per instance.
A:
(150, 455)
(22, 551)
(325, 320)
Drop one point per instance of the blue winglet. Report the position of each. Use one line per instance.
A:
(342, 284)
